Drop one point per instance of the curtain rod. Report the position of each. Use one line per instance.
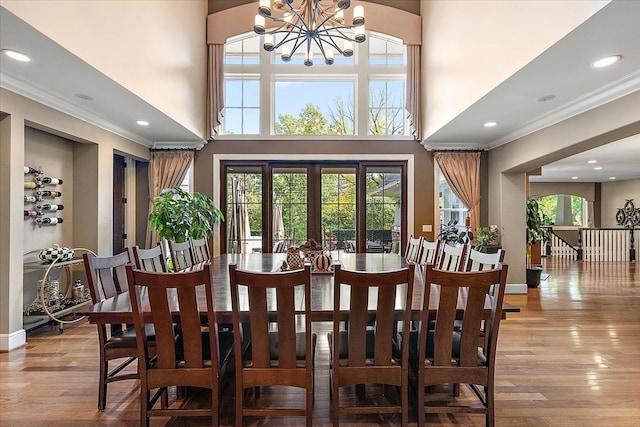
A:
(455, 151)
(172, 149)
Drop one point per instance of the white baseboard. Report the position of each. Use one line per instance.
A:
(516, 288)
(13, 340)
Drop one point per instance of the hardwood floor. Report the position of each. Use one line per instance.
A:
(570, 358)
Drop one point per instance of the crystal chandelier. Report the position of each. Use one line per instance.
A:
(307, 23)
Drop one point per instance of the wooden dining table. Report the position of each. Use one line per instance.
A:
(118, 308)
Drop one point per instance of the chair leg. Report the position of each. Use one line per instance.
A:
(490, 418)
(102, 387)
(420, 398)
(215, 400)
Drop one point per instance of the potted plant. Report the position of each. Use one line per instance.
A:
(177, 215)
(454, 235)
(486, 236)
(535, 235)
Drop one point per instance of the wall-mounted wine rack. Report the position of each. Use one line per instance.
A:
(42, 198)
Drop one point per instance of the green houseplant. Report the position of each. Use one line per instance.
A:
(177, 215)
(535, 235)
(485, 237)
(453, 235)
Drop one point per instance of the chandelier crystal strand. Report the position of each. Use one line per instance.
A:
(308, 23)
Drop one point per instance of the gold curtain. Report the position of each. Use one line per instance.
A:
(167, 169)
(462, 172)
(215, 88)
(412, 102)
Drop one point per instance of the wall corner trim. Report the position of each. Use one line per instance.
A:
(13, 340)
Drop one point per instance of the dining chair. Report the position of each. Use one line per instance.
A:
(428, 252)
(412, 251)
(106, 277)
(181, 256)
(360, 355)
(443, 354)
(480, 261)
(149, 259)
(200, 250)
(189, 355)
(273, 350)
(452, 258)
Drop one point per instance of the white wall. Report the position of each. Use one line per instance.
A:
(156, 49)
(470, 47)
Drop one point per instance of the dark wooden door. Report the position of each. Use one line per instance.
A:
(118, 204)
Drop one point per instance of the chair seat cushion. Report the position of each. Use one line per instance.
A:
(127, 337)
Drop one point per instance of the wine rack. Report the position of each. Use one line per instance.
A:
(42, 200)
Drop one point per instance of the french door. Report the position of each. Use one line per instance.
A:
(351, 206)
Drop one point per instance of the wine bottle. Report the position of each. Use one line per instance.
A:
(47, 193)
(32, 214)
(49, 180)
(30, 199)
(29, 169)
(32, 184)
(49, 207)
(47, 220)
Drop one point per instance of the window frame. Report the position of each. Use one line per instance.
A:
(361, 72)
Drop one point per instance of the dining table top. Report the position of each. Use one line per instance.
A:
(118, 308)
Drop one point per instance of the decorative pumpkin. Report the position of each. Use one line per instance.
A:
(294, 260)
(322, 263)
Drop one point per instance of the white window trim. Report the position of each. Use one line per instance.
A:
(269, 72)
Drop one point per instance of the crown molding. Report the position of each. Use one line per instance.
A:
(610, 92)
(51, 100)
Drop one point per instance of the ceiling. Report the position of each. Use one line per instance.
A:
(55, 77)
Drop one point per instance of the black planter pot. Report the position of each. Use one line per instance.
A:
(533, 276)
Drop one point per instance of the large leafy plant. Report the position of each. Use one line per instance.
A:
(452, 234)
(535, 231)
(486, 236)
(177, 215)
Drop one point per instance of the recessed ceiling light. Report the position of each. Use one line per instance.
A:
(574, 177)
(142, 123)
(85, 97)
(14, 54)
(546, 98)
(597, 168)
(605, 62)
(592, 161)
(612, 177)
(490, 124)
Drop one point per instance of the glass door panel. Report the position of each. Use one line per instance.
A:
(290, 188)
(244, 209)
(338, 208)
(383, 209)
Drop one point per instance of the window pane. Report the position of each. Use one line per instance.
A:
(244, 211)
(251, 93)
(386, 110)
(290, 187)
(314, 107)
(232, 122)
(384, 207)
(338, 207)
(251, 121)
(233, 93)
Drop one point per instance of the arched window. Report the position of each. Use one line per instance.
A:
(357, 97)
(563, 209)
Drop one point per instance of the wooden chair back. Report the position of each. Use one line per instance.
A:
(412, 251)
(452, 258)
(107, 277)
(181, 256)
(200, 250)
(450, 355)
(152, 260)
(179, 353)
(429, 252)
(480, 261)
(277, 308)
(361, 355)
